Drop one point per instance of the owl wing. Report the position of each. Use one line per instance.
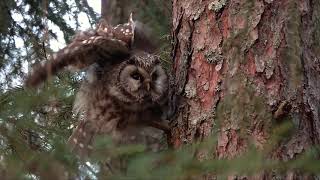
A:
(104, 45)
(80, 142)
(83, 137)
(97, 116)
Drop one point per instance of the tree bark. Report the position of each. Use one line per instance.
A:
(116, 11)
(241, 68)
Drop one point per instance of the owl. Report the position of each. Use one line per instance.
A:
(119, 101)
(125, 88)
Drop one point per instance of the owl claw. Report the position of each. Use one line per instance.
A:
(162, 125)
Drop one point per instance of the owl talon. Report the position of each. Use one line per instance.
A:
(162, 125)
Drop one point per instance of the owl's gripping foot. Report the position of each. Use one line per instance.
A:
(162, 125)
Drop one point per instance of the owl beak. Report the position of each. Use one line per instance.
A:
(147, 84)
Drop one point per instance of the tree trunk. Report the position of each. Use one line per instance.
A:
(242, 67)
(116, 11)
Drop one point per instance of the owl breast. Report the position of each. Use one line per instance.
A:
(119, 101)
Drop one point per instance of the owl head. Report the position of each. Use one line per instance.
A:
(141, 82)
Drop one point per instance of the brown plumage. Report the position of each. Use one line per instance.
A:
(125, 87)
(119, 101)
(103, 45)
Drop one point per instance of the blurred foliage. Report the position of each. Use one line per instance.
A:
(24, 31)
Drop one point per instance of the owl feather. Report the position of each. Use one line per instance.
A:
(120, 103)
(125, 87)
(104, 45)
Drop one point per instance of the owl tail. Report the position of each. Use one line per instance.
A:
(81, 139)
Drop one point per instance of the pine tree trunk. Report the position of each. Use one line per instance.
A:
(241, 68)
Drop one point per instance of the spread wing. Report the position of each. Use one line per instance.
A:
(104, 45)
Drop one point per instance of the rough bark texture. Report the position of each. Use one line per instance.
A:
(241, 67)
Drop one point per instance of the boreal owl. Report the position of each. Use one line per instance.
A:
(125, 88)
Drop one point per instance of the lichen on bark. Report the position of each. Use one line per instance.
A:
(245, 112)
(269, 57)
(293, 52)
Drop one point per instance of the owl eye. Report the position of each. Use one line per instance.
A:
(154, 76)
(136, 76)
(131, 61)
